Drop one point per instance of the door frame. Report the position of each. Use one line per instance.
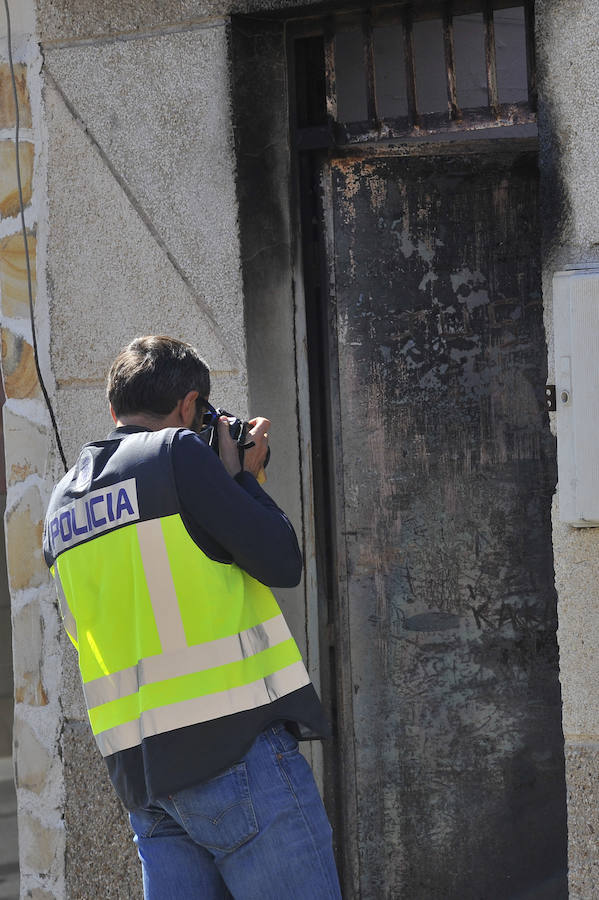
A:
(312, 152)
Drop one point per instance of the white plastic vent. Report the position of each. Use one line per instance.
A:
(576, 335)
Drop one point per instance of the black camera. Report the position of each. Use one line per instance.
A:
(238, 429)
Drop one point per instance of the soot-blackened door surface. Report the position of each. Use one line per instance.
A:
(447, 470)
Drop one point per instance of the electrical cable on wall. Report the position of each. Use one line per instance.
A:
(24, 229)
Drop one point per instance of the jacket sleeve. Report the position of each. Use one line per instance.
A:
(236, 513)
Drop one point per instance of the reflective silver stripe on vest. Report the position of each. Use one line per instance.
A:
(186, 661)
(203, 709)
(159, 579)
(65, 610)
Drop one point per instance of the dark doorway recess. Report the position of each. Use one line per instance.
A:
(434, 470)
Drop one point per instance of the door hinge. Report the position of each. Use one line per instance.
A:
(550, 400)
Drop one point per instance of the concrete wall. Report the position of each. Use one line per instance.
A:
(568, 68)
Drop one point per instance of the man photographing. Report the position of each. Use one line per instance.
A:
(163, 554)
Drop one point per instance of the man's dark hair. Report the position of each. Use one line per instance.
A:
(153, 373)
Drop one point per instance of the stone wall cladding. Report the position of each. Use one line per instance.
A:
(568, 76)
(31, 468)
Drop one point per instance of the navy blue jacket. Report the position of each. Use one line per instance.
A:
(231, 520)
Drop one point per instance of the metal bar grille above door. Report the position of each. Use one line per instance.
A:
(405, 71)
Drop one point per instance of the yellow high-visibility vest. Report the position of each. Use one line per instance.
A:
(167, 637)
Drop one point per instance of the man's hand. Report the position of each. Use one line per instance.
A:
(255, 457)
(227, 448)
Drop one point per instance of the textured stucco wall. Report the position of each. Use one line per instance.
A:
(68, 20)
(142, 238)
(141, 130)
(568, 64)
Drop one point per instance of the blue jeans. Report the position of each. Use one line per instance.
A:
(259, 831)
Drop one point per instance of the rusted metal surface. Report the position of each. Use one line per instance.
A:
(371, 104)
(531, 68)
(447, 470)
(341, 752)
(410, 69)
(329, 68)
(507, 115)
(476, 120)
(422, 146)
(417, 122)
(490, 59)
(452, 97)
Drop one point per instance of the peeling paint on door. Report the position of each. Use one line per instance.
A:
(448, 470)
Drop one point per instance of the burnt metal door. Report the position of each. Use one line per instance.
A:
(443, 470)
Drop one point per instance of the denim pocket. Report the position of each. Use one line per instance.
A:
(282, 739)
(146, 822)
(219, 813)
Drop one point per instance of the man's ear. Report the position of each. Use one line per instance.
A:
(188, 408)
(113, 414)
